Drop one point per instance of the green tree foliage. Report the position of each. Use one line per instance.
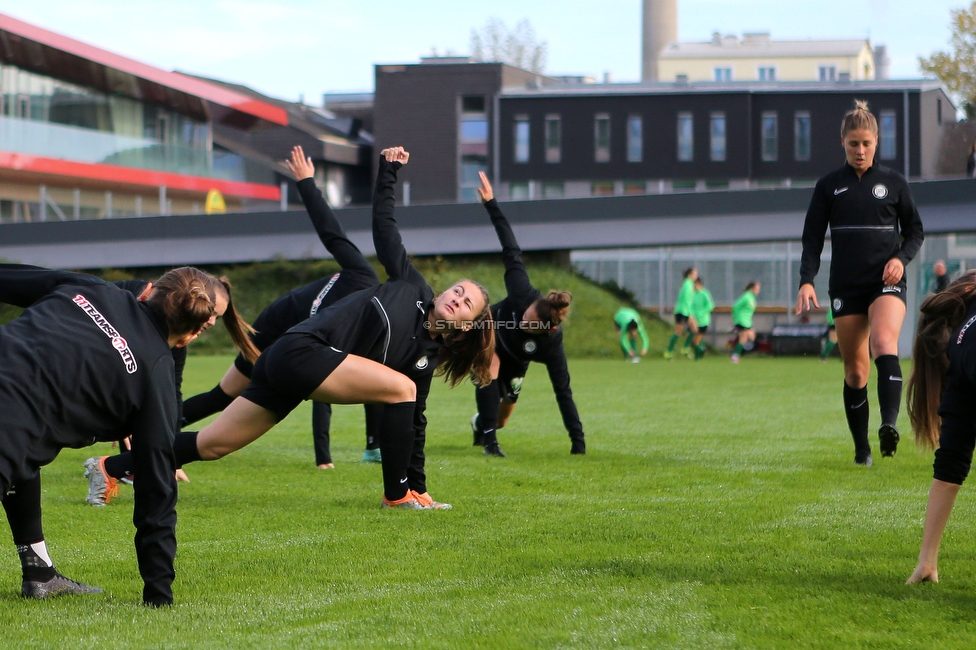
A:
(957, 68)
(517, 47)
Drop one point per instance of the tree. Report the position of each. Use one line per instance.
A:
(518, 47)
(957, 69)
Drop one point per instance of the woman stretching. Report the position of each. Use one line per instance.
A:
(118, 380)
(941, 405)
(528, 330)
(875, 232)
(380, 345)
(293, 308)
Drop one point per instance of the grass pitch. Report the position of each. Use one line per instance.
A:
(717, 507)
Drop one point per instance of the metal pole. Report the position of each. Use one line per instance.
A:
(905, 130)
(138, 206)
(162, 200)
(284, 196)
(406, 192)
(108, 205)
(76, 202)
(43, 203)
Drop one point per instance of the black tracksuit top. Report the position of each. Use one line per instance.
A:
(86, 362)
(957, 399)
(519, 346)
(872, 219)
(385, 323)
(298, 304)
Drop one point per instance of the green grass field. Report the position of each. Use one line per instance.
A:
(717, 507)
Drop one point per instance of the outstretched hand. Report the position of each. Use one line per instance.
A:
(804, 297)
(485, 190)
(300, 166)
(396, 154)
(924, 573)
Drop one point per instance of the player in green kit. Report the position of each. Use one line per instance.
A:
(682, 310)
(742, 312)
(701, 312)
(830, 339)
(628, 322)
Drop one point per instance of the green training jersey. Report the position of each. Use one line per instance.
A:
(702, 306)
(743, 309)
(624, 317)
(683, 304)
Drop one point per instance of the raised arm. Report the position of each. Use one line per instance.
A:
(22, 285)
(330, 232)
(517, 281)
(386, 235)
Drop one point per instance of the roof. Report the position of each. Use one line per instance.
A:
(88, 53)
(726, 87)
(760, 46)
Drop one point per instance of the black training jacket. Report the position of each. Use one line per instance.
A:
(872, 219)
(298, 304)
(960, 386)
(86, 362)
(385, 323)
(521, 346)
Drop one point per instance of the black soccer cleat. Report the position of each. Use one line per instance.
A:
(889, 437)
(864, 461)
(56, 586)
(579, 448)
(492, 449)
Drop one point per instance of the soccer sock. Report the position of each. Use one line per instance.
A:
(689, 339)
(828, 348)
(889, 387)
(22, 504)
(396, 447)
(699, 351)
(321, 422)
(488, 398)
(856, 409)
(200, 406)
(738, 349)
(374, 415)
(674, 339)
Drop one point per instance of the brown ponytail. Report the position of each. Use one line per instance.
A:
(859, 118)
(554, 308)
(187, 299)
(239, 329)
(941, 313)
(469, 353)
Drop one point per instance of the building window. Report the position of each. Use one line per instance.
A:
(827, 72)
(686, 137)
(635, 187)
(473, 146)
(518, 191)
(723, 74)
(470, 181)
(801, 136)
(770, 136)
(766, 73)
(888, 145)
(717, 137)
(635, 138)
(603, 188)
(554, 139)
(601, 135)
(552, 190)
(521, 138)
(474, 129)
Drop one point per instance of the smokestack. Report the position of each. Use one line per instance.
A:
(660, 30)
(882, 64)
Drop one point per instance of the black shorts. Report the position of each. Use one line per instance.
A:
(287, 373)
(740, 328)
(702, 329)
(680, 319)
(846, 302)
(510, 376)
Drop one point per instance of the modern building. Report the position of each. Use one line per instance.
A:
(443, 110)
(85, 133)
(756, 57)
(617, 139)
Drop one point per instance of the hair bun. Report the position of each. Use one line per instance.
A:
(861, 105)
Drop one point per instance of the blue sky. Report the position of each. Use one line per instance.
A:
(288, 48)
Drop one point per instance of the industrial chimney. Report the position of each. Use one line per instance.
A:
(660, 30)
